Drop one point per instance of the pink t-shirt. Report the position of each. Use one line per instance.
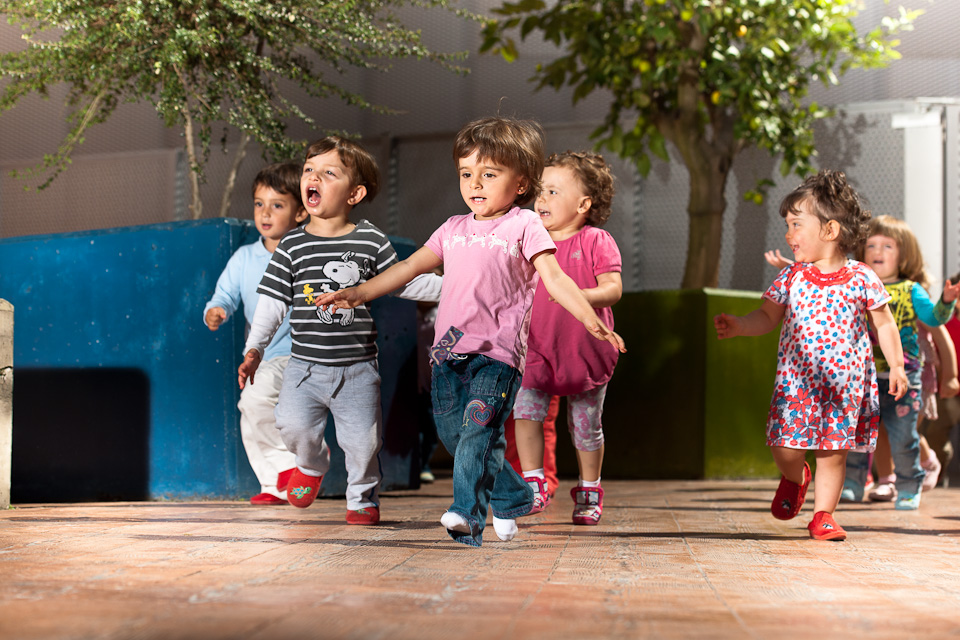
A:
(562, 358)
(488, 281)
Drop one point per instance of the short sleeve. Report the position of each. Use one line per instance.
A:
(779, 291)
(435, 241)
(386, 256)
(277, 281)
(536, 238)
(876, 294)
(606, 254)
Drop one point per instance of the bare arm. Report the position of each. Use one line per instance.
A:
(888, 335)
(949, 385)
(564, 290)
(395, 277)
(756, 323)
(608, 291)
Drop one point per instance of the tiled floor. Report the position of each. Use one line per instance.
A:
(669, 560)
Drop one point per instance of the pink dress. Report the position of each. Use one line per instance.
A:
(562, 358)
(825, 395)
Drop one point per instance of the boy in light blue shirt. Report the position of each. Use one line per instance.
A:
(277, 209)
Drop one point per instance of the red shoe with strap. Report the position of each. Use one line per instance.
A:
(790, 496)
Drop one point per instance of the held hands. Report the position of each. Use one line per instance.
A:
(215, 317)
(727, 326)
(249, 366)
(898, 382)
(951, 291)
(776, 259)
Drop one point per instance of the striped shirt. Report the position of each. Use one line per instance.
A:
(304, 266)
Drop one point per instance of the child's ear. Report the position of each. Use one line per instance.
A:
(300, 215)
(359, 193)
(585, 203)
(523, 186)
(831, 230)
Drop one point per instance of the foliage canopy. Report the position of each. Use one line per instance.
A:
(200, 62)
(712, 77)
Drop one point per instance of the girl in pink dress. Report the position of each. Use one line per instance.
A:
(825, 398)
(575, 202)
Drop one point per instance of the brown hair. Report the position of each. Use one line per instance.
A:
(282, 177)
(831, 197)
(515, 144)
(910, 266)
(359, 162)
(595, 178)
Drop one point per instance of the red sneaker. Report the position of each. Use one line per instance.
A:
(824, 527)
(790, 496)
(365, 515)
(302, 489)
(541, 498)
(267, 499)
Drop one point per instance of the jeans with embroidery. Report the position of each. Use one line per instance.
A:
(472, 398)
(899, 418)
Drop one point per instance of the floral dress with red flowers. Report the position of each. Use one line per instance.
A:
(826, 390)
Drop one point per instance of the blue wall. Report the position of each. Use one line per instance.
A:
(125, 393)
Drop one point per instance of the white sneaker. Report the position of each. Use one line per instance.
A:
(506, 529)
(455, 522)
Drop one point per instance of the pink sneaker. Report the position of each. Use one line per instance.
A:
(589, 504)
(541, 498)
(932, 466)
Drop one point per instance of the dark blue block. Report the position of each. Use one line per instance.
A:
(121, 392)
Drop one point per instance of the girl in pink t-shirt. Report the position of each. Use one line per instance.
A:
(575, 201)
(491, 258)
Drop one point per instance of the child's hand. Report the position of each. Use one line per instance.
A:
(600, 331)
(949, 388)
(776, 259)
(898, 382)
(215, 317)
(951, 291)
(249, 366)
(727, 326)
(342, 299)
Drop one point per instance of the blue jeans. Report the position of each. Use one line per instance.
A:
(472, 398)
(899, 418)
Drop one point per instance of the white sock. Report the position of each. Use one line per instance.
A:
(455, 522)
(506, 529)
(536, 473)
(587, 483)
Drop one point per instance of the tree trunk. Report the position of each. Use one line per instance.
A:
(232, 177)
(708, 179)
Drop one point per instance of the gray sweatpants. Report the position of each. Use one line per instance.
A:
(352, 394)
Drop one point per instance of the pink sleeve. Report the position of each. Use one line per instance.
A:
(606, 254)
(535, 237)
(435, 241)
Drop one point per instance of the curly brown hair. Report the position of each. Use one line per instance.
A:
(832, 198)
(515, 144)
(910, 265)
(596, 180)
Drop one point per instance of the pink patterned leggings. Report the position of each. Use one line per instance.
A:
(583, 413)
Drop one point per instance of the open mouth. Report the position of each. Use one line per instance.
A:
(543, 213)
(313, 196)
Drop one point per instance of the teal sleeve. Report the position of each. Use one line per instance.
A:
(932, 315)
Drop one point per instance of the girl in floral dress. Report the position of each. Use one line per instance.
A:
(825, 398)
